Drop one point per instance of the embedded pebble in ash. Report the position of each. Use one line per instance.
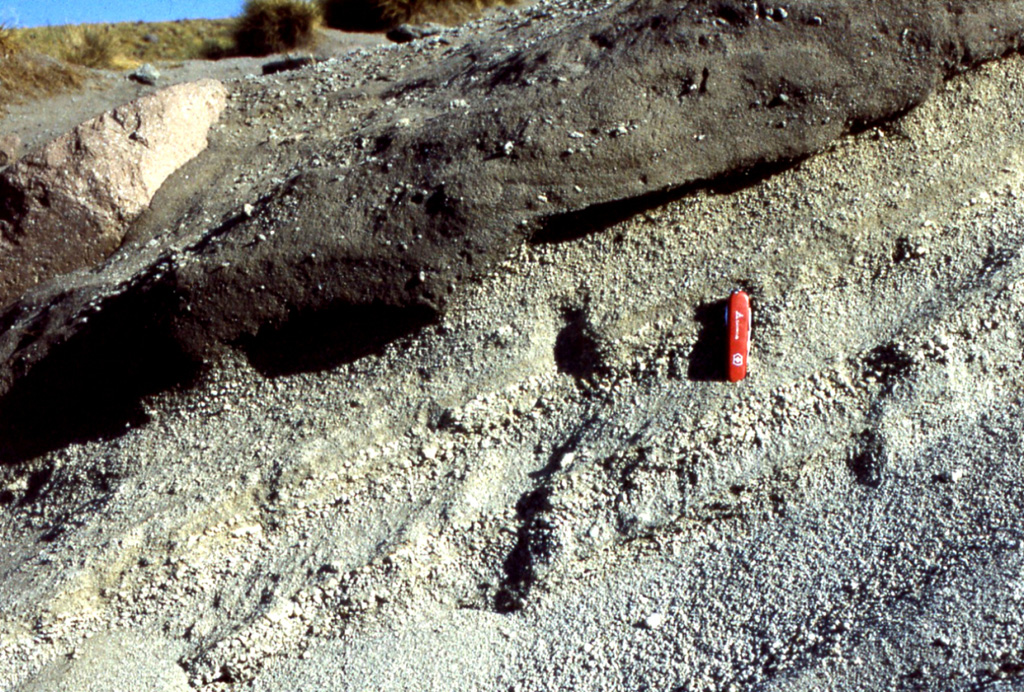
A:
(954, 476)
(654, 621)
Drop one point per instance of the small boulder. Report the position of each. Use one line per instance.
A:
(403, 33)
(292, 62)
(147, 74)
(10, 149)
(69, 205)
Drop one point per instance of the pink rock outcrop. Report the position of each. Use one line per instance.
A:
(69, 205)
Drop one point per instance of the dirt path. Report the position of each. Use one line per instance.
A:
(38, 122)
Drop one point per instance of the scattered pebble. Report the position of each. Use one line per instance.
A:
(146, 74)
(654, 621)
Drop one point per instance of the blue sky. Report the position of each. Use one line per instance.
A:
(26, 13)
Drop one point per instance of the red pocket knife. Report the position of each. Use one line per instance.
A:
(737, 320)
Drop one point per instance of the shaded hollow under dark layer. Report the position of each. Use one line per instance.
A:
(91, 385)
(322, 339)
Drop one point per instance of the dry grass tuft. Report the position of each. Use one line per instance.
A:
(90, 46)
(276, 26)
(378, 15)
(35, 62)
(9, 44)
(25, 76)
(136, 42)
(216, 48)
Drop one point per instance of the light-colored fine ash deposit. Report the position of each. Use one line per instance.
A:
(410, 375)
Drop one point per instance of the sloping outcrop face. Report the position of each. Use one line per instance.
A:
(552, 488)
(502, 144)
(69, 205)
(641, 98)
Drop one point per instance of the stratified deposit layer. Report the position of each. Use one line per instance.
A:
(415, 377)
